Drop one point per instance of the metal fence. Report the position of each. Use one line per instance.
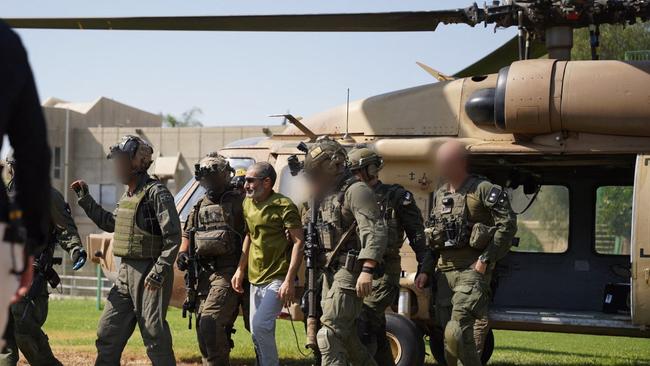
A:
(637, 55)
(83, 286)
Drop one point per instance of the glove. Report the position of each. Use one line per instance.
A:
(183, 261)
(153, 281)
(79, 257)
(364, 284)
(80, 188)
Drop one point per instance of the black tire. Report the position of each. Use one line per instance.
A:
(405, 339)
(437, 346)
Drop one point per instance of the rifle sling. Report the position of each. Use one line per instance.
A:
(346, 236)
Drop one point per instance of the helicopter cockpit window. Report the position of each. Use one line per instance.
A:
(613, 229)
(240, 164)
(293, 186)
(544, 226)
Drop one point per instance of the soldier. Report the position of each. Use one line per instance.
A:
(21, 120)
(217, 225)
(402, 215)
(471, 227)
(147, 234)
(352, 231)
(28, 315)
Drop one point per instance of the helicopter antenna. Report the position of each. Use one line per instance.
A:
(346, 136)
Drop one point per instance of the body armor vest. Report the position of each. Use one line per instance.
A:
(214, 236)
(131, 241)
(449, 225)
(452, 224)
(334, 221)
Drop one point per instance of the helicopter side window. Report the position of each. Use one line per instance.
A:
(544, 226)
(613, 230)
(194, 198)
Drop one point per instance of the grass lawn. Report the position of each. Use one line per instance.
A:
(71, 327)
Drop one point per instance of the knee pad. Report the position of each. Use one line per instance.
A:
(323, 338)
(453, 337)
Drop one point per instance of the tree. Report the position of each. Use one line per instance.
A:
(615, 40)
(187, 119)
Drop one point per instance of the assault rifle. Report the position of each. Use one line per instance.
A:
(312, 251)
(191, 280)
(44, 273)
(311, 255)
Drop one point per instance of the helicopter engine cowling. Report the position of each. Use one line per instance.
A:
(536, 97)
(545, 96)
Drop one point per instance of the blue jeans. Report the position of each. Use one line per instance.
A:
(264, 309)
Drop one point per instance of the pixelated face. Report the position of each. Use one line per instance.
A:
(122, 168)
(451, 160)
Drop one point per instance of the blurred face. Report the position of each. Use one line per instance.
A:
(122, 168)
(451, 161)
(256, 186)
(213, 182)
(320, 183)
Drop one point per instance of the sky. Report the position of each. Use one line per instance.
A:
(239, 78)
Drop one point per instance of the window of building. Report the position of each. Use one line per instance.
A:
(56, 164)
(613, 229)
(544, 226)
(104, 194)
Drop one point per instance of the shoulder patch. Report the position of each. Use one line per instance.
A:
(164, 195)
(407, 198)
(494, 194)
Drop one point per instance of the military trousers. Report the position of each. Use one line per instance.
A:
(11, 262)
(372, 322)
(128, 304)
(218, 307)
(25, 334)
(338, 341)
(462, 298)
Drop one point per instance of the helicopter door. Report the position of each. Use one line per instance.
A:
(640, 251)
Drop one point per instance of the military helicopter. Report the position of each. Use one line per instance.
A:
(569, 139)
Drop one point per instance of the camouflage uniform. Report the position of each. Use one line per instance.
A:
(25, 334)
(147, 235)
(349, 203)
(473, 223)
(401, 215)
(219, 224)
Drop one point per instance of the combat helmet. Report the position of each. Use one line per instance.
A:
(362, 157)
(138, 150)
(214, 164)
(326, 156)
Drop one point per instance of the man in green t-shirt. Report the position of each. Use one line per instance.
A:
(272, 260)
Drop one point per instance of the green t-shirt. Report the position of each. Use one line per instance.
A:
(270, 251)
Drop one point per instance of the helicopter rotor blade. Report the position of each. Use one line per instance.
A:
(502, 56)
(361, 22)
